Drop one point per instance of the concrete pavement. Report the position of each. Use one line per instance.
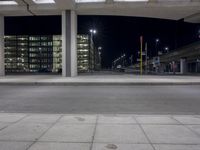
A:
(82, 117)
(104, 79)
(101, 99)
(99, 132)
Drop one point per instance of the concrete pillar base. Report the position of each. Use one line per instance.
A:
(183, 66)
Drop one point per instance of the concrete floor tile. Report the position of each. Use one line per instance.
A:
(10, 117)
(188, 119)
(41, 118)
(3, 125)
(195, 128)
(156, 120)
(14, 145)
(78, 119)
(119, 134)
(60, 146)
(23, 132)
(98, 146)
(170, 134)
(176, 147)
(116, 119)
(70, 133)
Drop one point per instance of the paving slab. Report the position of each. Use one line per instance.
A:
(176, 147)
(195, 128)
(23, 131)
(60, 146)
(3, 125)
(9, 118)
(11, 145)
(109, 146)
(99, 132)
(188, 119)
(41, 118)
(69, 133)
(78, 119)
(156, 120)
(116, 119)
(119, 134)
(170, 134)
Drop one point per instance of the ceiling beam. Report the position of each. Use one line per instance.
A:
(65, 4)
(20, 2)
(194, 18)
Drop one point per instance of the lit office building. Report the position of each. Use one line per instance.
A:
(85, 47)
(35, 54)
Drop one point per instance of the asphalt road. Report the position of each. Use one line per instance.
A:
(101, 99)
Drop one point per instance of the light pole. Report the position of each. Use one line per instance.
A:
(167, 49)
(156, 46)
(92, 32)
(99, 56)
(124, 59)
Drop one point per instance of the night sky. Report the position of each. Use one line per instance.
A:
(116, 35)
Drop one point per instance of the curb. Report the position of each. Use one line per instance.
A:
(97, 83)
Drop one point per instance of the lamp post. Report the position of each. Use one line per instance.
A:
(167, 49)
(92, 33)
(156, 46)
(99, 56)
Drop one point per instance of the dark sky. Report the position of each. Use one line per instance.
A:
(117, 35)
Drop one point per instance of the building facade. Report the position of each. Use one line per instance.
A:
(35, 54)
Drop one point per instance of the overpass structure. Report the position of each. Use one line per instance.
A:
(189, 10)
(186, 59)
(183, 60)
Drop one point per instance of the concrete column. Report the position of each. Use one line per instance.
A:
(69, 44)
(183, 66)
(2, 66)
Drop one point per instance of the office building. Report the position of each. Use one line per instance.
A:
(43, 54)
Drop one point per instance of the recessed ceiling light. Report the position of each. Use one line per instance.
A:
(7, 2)
(89, 1)
(44, 1)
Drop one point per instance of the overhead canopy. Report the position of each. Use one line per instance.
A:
(165, 9)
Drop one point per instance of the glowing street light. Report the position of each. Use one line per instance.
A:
(166, 48)
(157, 45)
(93, 31)
(99, 48)
(157, 40)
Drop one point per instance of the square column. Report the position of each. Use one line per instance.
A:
(2, 66)
(69, 43)
(183, 66)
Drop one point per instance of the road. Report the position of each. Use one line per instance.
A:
(101, 99)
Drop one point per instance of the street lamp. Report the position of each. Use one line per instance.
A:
(92, 32)
(167, 49)
(157, 42)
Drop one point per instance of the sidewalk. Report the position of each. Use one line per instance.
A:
(99, 80)
(98, 132)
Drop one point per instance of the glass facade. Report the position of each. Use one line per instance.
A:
(34, 54)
